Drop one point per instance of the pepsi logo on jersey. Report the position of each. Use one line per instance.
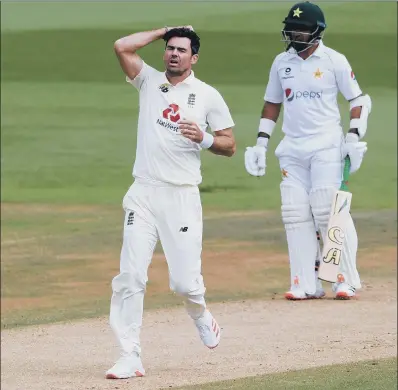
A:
(290, 94)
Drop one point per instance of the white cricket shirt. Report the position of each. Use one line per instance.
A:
(308, 90)
(163, 154)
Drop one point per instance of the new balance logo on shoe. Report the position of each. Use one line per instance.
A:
(184, 229)
(130, 218)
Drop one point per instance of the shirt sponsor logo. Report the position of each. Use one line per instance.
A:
(172, 113)
(290, 94)
(287, 74)
(172, 116)
(168, 125)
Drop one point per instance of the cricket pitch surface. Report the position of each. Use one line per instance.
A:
(258, 337)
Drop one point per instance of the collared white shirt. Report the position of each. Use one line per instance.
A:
(163, 154)
(308, 90)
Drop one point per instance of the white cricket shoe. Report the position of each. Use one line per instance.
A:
(343, 291)
(209, 330)
(126, 367)
(296, 294)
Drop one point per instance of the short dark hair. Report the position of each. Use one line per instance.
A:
(184, 32)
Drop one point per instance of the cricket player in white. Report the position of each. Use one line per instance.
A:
(164, 201)
(306, 79)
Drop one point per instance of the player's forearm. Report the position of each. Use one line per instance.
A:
(134, 42)
(269, 117)
(355, 113)
(223, 145)
(271, 111)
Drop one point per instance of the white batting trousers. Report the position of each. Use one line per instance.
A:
(172, 214)
(312, 172)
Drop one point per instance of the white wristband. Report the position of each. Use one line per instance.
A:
(266, 126)
(207, 141)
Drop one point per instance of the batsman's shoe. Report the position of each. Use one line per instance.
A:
(297, 294)
(344, 291)
(209, 330)
(126, 367)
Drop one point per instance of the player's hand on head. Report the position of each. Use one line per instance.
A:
(355, 150)
(189, 27)
(255, 160)
(190, 130)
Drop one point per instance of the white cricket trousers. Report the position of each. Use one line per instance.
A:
(311, 173)
(172, 214)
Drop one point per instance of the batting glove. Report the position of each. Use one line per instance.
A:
(355, 149)
(255, 160)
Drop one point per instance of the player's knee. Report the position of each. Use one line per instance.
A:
(127, 284)
(181, 288)
(321, 200)
(295, 214)
(188, 287)
(295, 205)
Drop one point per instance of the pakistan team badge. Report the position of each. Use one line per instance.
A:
(297, 12)
(318, 74)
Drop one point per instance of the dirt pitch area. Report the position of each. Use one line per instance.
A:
(258, 337)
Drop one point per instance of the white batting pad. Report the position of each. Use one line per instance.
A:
(348, 266)
(321, 201)
(300, 235)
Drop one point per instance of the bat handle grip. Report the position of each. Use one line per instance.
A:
(346, 174)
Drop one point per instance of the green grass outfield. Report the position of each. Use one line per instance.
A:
(365, 375)
(69, 119)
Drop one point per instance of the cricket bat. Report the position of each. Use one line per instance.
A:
(333, 244)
